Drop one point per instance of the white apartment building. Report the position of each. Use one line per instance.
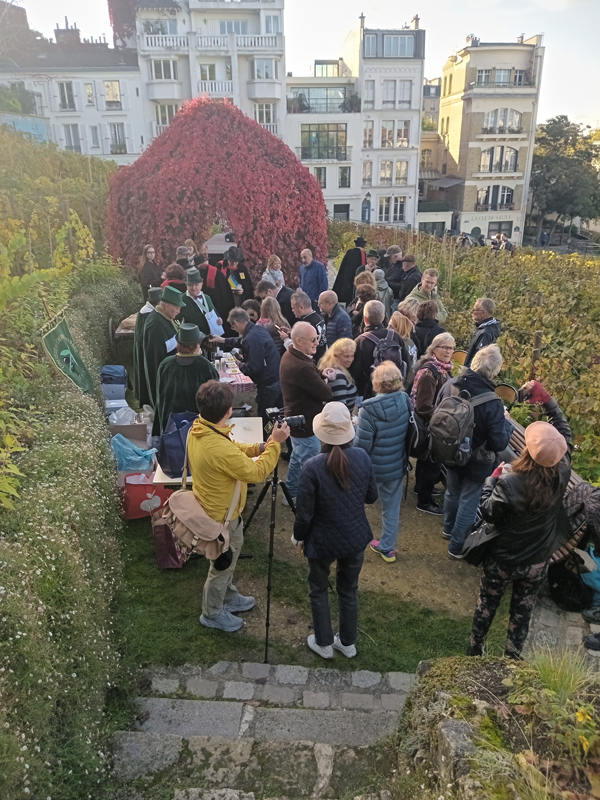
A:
(217, 48)
(359, 134)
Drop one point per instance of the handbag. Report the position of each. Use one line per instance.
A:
(418, 438)
(171, 450)
(477, 543)
(190, 527)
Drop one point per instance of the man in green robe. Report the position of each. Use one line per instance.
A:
(139, 374)
(197, 304)
(180, 376)
(160, 333)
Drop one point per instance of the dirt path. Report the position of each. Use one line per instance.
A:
(422, 571)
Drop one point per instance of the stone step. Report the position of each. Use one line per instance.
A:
(233, 720)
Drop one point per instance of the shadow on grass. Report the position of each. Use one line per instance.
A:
(159, 613)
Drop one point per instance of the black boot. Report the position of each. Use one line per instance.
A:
(473, 650)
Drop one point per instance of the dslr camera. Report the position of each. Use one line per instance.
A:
(277, 416)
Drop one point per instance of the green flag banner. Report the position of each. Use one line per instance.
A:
(60, 346)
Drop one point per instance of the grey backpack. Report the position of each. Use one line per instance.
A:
(451, 429)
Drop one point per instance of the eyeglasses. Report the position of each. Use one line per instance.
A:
(445, 347)
(314, 339)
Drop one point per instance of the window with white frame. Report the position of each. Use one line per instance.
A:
(498, 159)
(165, 113)
(388, 97)
(502, 120)
(233, 26)
(387, 133)
(367, 173)
(398, 46)
(321, 176)
(72, 141)
(368, 133)
(265, 69)
(89, 93)
(112, 90)
(385, 173)
(66, 98)
(384, 209)
(94, 135)
(369, 94)
(484, 77)
(401, 175)
(272, 23)
(391, 209)
(264, 113)
(370, 45)
(426, 157)
(161, 26)
(208, 72)
(519, 77)
(118, 145)
(164, 69)
(402, 133)
(404, 94)
(502, 77)
(483, 196)
(398, 209)
(506, 196)
(344, 177)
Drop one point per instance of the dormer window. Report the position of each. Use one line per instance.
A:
(398, 46)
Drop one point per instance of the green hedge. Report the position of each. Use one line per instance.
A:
(59, 572)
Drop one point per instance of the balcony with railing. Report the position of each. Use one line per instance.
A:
(494, 206)
(325, 154)
(212, 42)
(246, 43)
(501, 132)
(216, 88)
(162, 41)
(270, 126)
(157, 129)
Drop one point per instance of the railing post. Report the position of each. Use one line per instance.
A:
(537, 342)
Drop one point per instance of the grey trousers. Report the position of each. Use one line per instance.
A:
(219, 587)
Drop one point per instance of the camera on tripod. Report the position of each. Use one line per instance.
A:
(277, 415)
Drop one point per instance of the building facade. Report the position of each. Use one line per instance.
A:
(488, 112)
(432, 90)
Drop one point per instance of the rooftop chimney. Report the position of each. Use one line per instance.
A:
(520, 38)
(69, 37)
(472, 40)
(362, 21)
(414, 23)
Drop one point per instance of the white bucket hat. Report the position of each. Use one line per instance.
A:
(334, 424)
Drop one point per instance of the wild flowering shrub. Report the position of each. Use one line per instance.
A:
(59, 570)
(215, 165)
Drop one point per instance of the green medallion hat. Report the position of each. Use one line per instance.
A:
(171, 295)
(154, 294)
(189, 334)
(193, 276)
(372, 254)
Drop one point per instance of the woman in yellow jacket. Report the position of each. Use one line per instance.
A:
(217, 463)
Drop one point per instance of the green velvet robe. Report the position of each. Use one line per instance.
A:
(191, 313)
(158, 330)
(178, 380)
(139, 373)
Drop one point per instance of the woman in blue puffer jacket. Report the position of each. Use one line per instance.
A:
(381, 431)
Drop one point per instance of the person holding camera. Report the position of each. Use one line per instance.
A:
(331, 525)
(304, 393)
(221, 469)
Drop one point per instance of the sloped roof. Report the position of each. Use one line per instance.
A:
(83, 56)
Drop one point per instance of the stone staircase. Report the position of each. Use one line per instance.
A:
(259, 730)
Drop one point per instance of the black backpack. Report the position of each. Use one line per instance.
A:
(567, 588)
(387, 349)
(451, 427)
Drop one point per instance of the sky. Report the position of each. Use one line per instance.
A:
(570, 27)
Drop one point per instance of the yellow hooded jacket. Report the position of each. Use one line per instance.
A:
(217, 462)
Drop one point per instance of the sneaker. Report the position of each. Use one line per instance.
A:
(225, 621)
(431, 508)
(284, 502)
(455, 556)
(387, 555)
(592, 615)
(473, 650)
(324, 652)
(349, 650)
(239, 603)
(446, 535)
(592, 642)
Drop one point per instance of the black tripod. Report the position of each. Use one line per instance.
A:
(273, 482)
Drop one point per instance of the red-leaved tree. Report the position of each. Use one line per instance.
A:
(215, 164)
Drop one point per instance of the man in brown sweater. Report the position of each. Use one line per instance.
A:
(304, 392)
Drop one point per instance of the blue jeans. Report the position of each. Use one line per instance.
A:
(304, 449)
(390, 494)
(460, 507)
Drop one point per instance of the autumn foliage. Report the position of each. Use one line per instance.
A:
(215, 165)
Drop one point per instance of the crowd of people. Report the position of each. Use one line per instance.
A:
(357, 363)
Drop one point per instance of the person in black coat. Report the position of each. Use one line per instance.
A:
(352, 260)
(331, 525)
(282, 294)
(427, 327)
(149, 273)
(491, 436)
(217, 287)
(234, 268)
(410, 279)
(487, 330)
(259, 359)
(522, 504)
